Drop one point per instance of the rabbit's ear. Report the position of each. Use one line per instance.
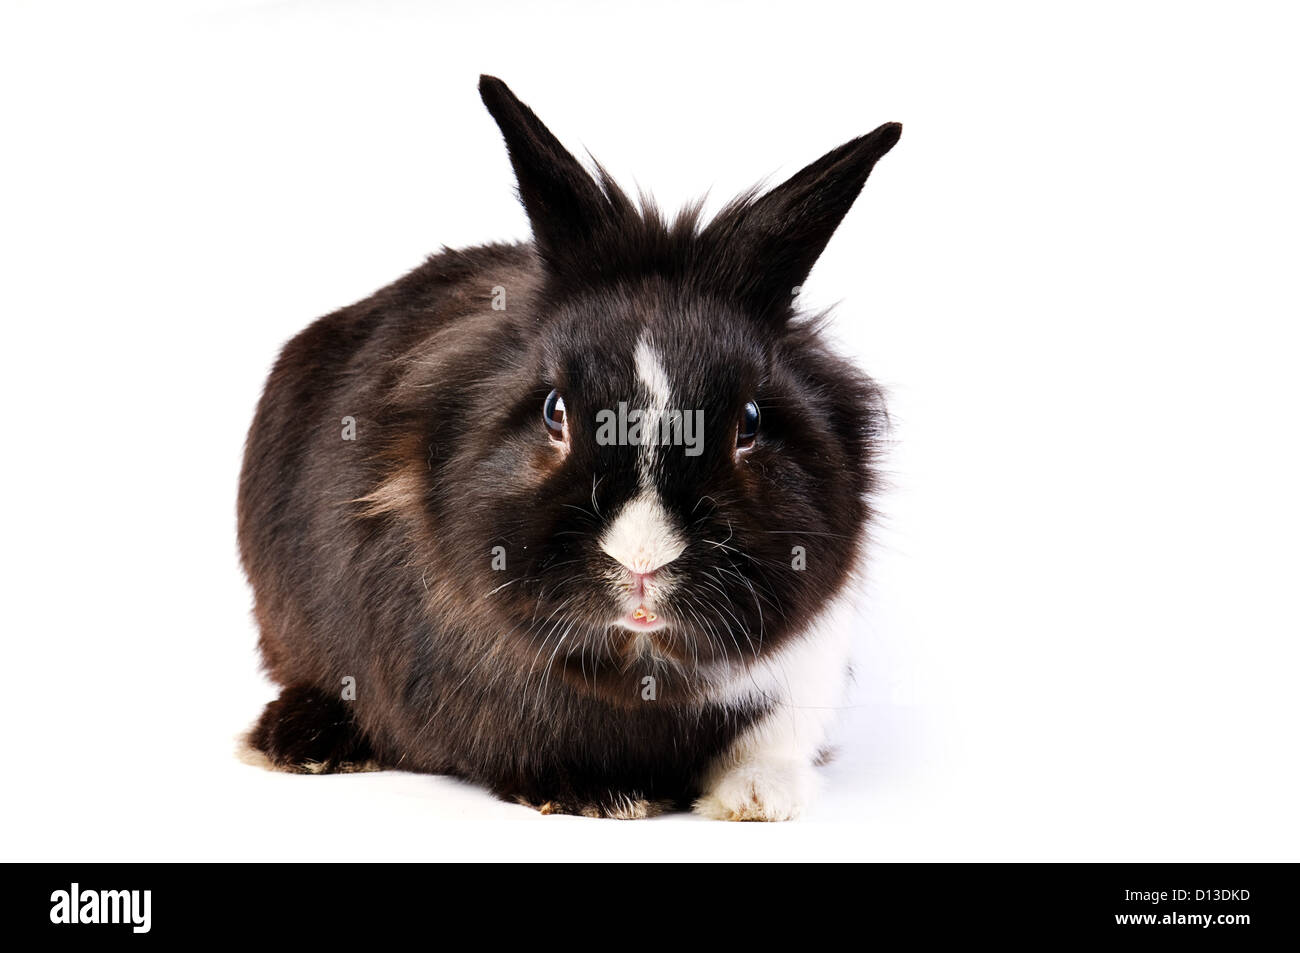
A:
(768, 245)
(565, 206)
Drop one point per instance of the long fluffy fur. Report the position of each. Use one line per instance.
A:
(372, 559)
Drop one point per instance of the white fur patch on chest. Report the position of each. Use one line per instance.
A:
(809, 674)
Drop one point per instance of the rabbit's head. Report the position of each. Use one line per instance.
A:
(652, 464)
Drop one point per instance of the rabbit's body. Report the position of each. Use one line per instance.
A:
(445, 582)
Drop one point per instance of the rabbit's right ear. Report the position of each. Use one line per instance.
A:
(566, 207)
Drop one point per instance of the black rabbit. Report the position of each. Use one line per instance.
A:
(561, 518)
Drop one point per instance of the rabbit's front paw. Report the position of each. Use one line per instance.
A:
(760, 790)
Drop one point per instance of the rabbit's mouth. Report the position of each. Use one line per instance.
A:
(641, 619)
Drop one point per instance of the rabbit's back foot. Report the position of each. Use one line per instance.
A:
(308, 731)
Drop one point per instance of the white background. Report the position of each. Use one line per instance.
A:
(1075, 274)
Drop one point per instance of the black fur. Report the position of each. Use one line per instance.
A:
(312, 731)
(372, 558)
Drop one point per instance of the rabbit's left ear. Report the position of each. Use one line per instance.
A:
(767, 246)
(566, 207)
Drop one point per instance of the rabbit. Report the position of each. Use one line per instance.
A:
(564, 518)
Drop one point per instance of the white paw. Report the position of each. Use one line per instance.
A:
(759, 791)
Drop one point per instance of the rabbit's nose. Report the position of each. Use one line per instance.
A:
(643, 538)
(639, 583)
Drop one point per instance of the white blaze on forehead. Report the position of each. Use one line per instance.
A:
(642, 538)
(650, 372)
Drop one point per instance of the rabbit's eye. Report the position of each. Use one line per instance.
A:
(747, 429)
(553, 414)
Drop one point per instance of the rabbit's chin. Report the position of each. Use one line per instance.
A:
(637, 664)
